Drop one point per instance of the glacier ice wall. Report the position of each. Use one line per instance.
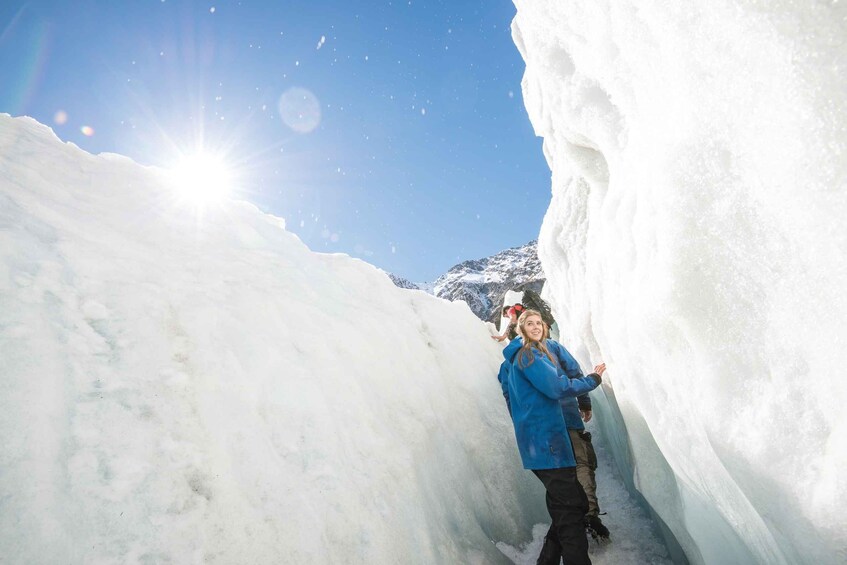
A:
(191, 388)
(695, 242)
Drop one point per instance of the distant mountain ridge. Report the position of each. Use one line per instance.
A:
(403, 283)
(483, 283)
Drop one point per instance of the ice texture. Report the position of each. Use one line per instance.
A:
(696, 243)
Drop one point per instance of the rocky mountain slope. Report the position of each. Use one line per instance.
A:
(482, 283)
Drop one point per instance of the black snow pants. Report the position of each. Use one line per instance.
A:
(567, 504)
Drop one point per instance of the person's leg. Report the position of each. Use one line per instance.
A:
(586, 463)
(567, 505)
(551, 551)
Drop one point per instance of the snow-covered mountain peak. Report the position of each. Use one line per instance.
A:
(482, 283)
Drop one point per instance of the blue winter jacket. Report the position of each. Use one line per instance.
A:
(534, 391)
(568, 367)
(570, 406)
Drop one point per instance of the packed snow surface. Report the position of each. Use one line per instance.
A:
(696, 243)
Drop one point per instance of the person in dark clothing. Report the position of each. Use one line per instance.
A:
(535, 389)
(533, 301)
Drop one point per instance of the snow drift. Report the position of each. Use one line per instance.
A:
(202, 388)
(695, 242)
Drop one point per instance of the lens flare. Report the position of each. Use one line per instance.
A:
(300, 109)
(87, 131)
(202, 179)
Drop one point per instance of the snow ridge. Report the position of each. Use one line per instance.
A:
(187, 389)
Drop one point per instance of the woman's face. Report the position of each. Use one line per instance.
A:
(533, 327)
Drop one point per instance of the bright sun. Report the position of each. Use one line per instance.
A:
(202, 179)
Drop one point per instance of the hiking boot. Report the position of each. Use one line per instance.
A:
(595, 528)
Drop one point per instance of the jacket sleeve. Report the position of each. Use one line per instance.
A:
(571, 369)
(566, 360)
(503, 377)
(544, 376)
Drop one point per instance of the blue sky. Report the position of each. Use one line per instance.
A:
(423, 154)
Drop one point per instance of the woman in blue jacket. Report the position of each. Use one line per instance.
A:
(534, 390)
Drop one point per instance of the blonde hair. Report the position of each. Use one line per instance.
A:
(525, 355)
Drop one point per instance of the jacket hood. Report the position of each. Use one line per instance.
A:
(512, 349)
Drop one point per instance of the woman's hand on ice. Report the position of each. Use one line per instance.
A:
(600, 369)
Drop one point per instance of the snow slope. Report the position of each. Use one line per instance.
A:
(183, 387)
(695, 242)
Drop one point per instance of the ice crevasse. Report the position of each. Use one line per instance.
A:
(696, 243)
